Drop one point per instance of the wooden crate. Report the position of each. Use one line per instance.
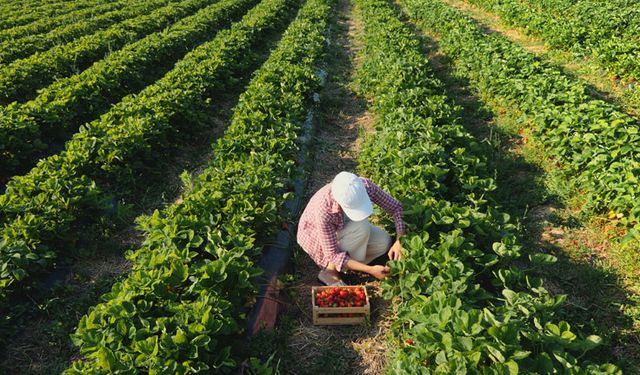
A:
(328, 315)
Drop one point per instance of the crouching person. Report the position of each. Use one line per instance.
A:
(335, 231)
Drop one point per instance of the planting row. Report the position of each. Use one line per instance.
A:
(14, 49)
(27, 4)
(89, 9)
(182, 308)
(18, 14)
(20, 79)
(608, 30)
(26, 130)
(464, 304)
(594, 142)
(42, 212)
(11, 5)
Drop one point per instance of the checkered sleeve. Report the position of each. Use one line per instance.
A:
(388, 203)
(329, 243)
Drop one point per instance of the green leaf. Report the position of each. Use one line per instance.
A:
(148, 346)
(541, 259)
(180, 338)
(520, 354)
(201, 340)
(441, 357)
(513, 367)
(495, 354)
(106, 360)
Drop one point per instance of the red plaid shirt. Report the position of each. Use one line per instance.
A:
(323, 218)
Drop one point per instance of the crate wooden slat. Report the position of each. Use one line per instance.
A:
(318, 311)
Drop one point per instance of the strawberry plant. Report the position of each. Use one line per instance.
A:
(183, 306)
(41, 211)
(20, 79)
(464, 300)
(14, 49)
(607, 30)
(15, 15)
(58, 110)
(594, 142)
(79, 11)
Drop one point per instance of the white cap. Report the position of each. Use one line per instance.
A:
(349, 191)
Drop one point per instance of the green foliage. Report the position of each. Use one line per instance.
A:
(594, 143)
(39, 210)
(465, 304)
(20, 79)
(15, 15)
(17, 48)
(27, 129)
(607, 30)
(15, 27)
(193, 280)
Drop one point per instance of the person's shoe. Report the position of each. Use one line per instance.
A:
(330, 278)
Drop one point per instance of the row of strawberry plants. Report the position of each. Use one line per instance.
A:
(608, 31)
(15, 49)
(183, 307)
(28, 4)
(106, 161)
(16, 4)
(594, 142)
(43, 25)
(22, 14)
(11, 5)
(20, 79)
(588, 22)
(26, 130)
(465, 303)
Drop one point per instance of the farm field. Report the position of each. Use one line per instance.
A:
(150, 152)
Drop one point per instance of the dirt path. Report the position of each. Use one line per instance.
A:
(600, 83)
(343, 123)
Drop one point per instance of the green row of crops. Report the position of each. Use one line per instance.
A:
(14, 49)
(20, 79)
(595, 143)
(27, 130)
(37, 21)
(184, 305)
(42, 212)
(607, 30)
(18, 14)
(463, 298)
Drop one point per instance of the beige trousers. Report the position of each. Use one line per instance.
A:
(363, 241)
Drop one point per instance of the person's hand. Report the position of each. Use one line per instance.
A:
(379, 272)
(395, 253)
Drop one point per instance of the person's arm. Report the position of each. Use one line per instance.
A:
(394, 208)
(387, 203)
